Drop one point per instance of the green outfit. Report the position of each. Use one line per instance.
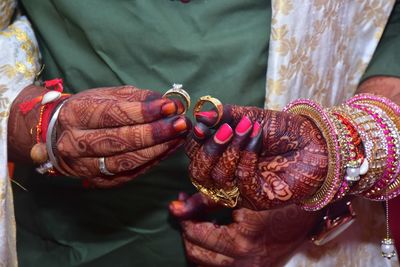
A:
(212, 47)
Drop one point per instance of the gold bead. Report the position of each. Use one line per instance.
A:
(39, 153)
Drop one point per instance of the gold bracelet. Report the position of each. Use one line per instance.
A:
(332, 182)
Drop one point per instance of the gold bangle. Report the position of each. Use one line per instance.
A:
(228, 198)
(332, 182)
(178, 91)
(217, 104)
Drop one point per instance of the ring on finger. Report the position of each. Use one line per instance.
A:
(102, 167)
(177, 90)
(214, 101)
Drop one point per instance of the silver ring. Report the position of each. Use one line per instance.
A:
(103, 168)
(179, 91)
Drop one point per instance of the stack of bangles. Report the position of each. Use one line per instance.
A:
(362, 139)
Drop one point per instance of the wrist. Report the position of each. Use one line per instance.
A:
(22, 127)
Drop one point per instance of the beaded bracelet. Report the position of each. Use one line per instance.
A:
(393, 111)
(371, 138)
(353, 161)
(393, 151)
(344, 152)
(332, 182)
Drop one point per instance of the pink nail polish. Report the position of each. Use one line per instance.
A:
(244, 126)
(198, 132)
(206, 114)
(224, 134)
(256, 129)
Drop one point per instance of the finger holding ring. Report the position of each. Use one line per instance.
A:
(102, 167)
(177, 90)
(214, 101)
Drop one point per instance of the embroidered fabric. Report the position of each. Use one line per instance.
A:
(322, 56)
(19, 62)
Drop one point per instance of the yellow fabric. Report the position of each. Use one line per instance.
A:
(7, 8)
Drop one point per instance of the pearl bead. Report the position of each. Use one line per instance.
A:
(351, 178)
(364, 167)
(387, 248)
(353, 172)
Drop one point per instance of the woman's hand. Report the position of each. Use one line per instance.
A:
(274, 158)
(132, 129)
(254, 238)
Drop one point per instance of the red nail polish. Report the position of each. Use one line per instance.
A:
(256, 129)
(180, 125)
(224, 134)
(244, 126)
(168, 109)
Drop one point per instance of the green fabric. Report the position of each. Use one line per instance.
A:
(386, 59)
(212, 47)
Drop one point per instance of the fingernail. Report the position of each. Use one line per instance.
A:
(180, 125)
(255, 144)
(168, 109)
(179, 105)
(200, 130)
(177, 205)
(207, 117)
(244, 126)
(224, 134)
(256, 129)
(207, 114)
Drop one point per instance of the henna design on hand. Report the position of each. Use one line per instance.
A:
(285, 163)
(254, 238)
(133, 128)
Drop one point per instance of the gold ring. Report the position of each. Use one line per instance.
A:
(227, 198)
(218, 105)
(177, 90)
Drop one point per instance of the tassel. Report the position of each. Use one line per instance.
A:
(55, 84)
